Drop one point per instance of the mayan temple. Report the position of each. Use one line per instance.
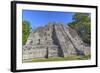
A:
(54, 40)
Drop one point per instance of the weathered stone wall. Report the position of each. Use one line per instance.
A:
(34, 52)
(54, 40)
(40, 51)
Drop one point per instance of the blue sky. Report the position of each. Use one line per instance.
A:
(42, 18)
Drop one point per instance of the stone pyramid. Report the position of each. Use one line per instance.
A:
(54, 40)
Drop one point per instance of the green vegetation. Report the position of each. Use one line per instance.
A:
(25, 31)
(82, 24)
(61, 59)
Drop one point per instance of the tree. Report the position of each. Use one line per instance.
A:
(82, 24)
(25, 31)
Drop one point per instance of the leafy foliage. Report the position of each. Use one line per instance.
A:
(25, 31)
(82, 24)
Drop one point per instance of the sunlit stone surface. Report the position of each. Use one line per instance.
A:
(54, 40)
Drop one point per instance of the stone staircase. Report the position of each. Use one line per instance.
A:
(64, 36)
(77, 44)
(55, 40)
